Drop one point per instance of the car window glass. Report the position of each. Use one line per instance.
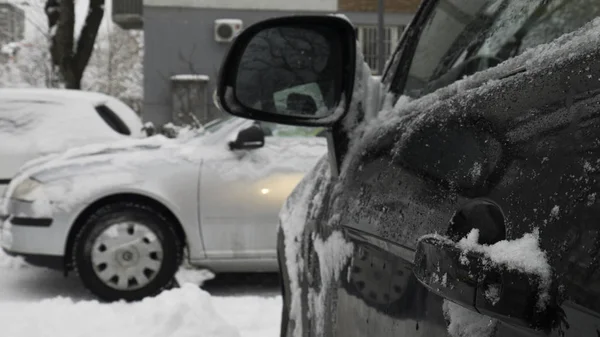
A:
(462, 37)
(125, 113)
(216, 124)
(111, 118)
(281, 130)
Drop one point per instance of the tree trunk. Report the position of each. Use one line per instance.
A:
(70, 56)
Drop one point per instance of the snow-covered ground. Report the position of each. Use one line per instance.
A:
(39, 302)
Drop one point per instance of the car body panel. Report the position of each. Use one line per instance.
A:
(241, 195)
(522, 136)
(79, 186)
(200, 180)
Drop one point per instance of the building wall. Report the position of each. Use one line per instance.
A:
(12, 23)
(276, 5)
(180, 40)
(391, 6)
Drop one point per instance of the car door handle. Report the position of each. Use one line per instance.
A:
(470, 279)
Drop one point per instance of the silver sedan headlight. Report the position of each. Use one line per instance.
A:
(28, 190)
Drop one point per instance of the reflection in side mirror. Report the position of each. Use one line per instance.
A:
(322, 133)
(292, 70)
(281, 60)
(247, 139)
(301, 103)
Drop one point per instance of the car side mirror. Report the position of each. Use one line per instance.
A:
(296, 70)
(248, 139)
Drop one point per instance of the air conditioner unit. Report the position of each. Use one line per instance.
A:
(227, 29)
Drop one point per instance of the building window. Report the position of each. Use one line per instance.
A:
(367, 39)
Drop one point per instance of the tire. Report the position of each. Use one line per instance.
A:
(127, 251)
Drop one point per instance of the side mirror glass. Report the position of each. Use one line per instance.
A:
(247, 139)
(291, 70)
(299, 103)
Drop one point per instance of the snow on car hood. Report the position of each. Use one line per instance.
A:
(96, 152)
(126, 156)
(127, 145)
(117, 161)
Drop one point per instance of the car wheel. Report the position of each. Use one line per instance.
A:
(126, 251)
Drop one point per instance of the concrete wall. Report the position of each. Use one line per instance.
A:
(401, 6)
(280, 5)
(12, 23)
(180, 40)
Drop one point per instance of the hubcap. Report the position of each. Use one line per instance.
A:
(127, 256)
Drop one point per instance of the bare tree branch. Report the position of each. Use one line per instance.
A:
(87, 38)
(69, 56)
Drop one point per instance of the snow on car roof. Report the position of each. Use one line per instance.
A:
(61, 95)
(46, 125)
(72, 97)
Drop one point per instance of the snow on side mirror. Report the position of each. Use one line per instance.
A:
(295, 70)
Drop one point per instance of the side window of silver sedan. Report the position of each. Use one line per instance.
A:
(290, 131)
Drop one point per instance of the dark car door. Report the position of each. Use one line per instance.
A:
(510, 152)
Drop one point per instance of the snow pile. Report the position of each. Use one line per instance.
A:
(173, 131)
(523, 255)
(191, 275)
(33, 302)
(295, 214)
(186, 311)
(10, 262)
(333, 255)
(467, 323)
(10, 48)
(253, 316)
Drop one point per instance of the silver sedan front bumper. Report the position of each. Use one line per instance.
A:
(23, 232)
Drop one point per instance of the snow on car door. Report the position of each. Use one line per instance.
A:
(241, 193)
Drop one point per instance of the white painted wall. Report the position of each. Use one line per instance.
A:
(284, 5)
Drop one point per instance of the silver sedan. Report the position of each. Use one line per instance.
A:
(125, 215)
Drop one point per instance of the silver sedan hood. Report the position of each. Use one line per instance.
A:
(131, 153)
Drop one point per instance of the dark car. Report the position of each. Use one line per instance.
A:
(461, 193)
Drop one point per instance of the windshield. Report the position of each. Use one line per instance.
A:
(216, 124)
(462, 37)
